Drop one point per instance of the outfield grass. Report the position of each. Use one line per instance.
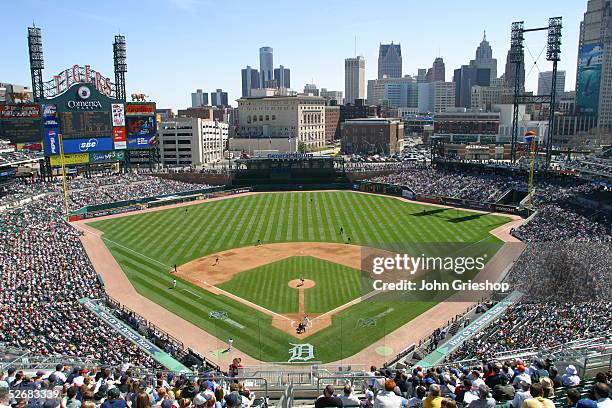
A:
(267, 285)
(147, 245)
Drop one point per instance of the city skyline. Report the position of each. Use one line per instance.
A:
(158, 63)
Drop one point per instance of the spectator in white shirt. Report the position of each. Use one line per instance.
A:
(349, 398)
(521, 376)
(387, 398)
(601, 391)
(59, 373)
(570, 378)
(521, 395)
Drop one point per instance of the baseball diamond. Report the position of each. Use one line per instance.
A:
(236, 257)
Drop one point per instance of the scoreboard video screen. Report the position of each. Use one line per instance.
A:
(76, 125)
(20, 123)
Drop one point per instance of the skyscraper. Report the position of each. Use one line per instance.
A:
(421, 75)
(199, 98)
(594, 66)
(484, 57)
(545, 83)
(354, 79)
(437, 72)
(250, 80)
(282, 77)
(510, 74)
(219, 98)
(390, 61)
(311, 89)
(266, 66)
(466, 77)
(393, 92)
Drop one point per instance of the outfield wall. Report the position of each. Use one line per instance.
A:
(119, 207)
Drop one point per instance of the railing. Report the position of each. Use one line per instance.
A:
(252, 383)
(348, 377)
(156, 330)
(602, 362)
(286, 400)
(27, 362)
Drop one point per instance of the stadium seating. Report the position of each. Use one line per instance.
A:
(45, 271)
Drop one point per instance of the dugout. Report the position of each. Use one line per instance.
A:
(291, 171)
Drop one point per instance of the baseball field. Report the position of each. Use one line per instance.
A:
(250, 267)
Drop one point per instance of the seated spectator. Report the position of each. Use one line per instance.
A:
(548, 387)
(537, 399)
(573, 396)
(114, 399)
(349, 398)
(417, 401)
(5, 400)
(328, 399)
(503, 391)
(601, 392)
(233, 401)
(433, 400)
(521, 376)
(570, 378)
(369, 401)
(522, 394)
(387, 397)
(461, 389)
(484, 400)
(586, 403)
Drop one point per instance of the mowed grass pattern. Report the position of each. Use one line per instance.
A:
(147, 245)
(267, 285)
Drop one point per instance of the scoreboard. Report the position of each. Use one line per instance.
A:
(20, 123)
(85, 124)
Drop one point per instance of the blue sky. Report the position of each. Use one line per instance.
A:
(176, 46)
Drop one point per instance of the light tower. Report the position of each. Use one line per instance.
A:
(119, 57)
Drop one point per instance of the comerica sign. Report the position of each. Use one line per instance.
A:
(85, 105)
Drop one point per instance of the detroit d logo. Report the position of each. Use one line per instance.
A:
(301, 352)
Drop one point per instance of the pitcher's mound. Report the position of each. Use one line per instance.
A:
(296, 284)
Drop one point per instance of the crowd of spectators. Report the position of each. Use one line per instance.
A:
(453, 183)
(121, 387)
(534, 325)
(101, 189)
(601, 166)
(557, 218)
(45, 271)
(563, 222)
(566, 271)
(8, 158)
(510, 384)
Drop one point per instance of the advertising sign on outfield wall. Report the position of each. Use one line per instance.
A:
(70, 159)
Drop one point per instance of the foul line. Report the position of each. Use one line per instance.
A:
(135, 252)
(241, 300)
(82, 228)
(194, 294)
